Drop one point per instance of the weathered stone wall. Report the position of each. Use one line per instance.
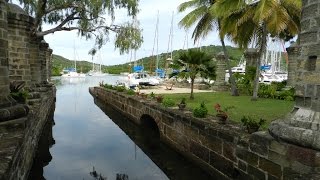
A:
(24, 58)
(19, 138)
(225, 151)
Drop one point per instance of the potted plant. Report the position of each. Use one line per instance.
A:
(200, 112)
(252, 125)
(159, 98)
(182, 104)
(222, 115)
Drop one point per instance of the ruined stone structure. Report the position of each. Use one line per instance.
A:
(302, 126)
(293, 53)
(24, 58)
(225, 151)
(220, 83)
(251, 56)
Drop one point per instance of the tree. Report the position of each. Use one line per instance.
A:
(194, 62)
(92, 19)
(205, 21)
(251, 22)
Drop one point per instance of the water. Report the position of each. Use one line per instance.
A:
(92, 139)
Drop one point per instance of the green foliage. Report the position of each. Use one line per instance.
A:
(183, 101)
(20, 96)
(108, 86)
(120, 88)
(200, 112)
(252, 123)
(89, 18)
(168, 102)
(152, 95)
(130, 92)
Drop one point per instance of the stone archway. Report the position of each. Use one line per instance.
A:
(148, 123)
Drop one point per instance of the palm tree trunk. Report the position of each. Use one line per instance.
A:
(258, 64)
(192, 83)
(234, 90)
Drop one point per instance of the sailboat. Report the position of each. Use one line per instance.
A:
(93, 72)
(72, 72)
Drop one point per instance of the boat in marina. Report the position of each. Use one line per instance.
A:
(72, 73)
(142, 79)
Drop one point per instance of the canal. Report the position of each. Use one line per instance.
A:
(88, 140)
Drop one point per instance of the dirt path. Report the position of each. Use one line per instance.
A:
(164, 90)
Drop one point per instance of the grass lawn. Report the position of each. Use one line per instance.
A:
(269, 109)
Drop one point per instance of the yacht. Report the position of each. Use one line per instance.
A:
(142, 78)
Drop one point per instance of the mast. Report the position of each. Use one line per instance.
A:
(154, 41)
(74, 56)
(157, 30)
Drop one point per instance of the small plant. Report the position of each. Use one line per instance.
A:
(159, 98)
(108, 86)
(252, 124)
(16, 91)
(167, 102)
(200, 112)
(130, 92)
(101, 84)
(222, 114)
(182, 104)
(120, 88)
(152, 95)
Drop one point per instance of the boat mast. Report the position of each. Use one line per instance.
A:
(74, 56)
(157, 30)
(154, 41)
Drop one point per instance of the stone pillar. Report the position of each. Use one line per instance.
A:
(220, 83)
(43, 53)
(302, 126)
(251, 55)
(19, 33)
(293, 53)
(49, 63)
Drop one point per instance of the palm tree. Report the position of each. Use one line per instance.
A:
(194, 62)
(246, 23)
(205, 22)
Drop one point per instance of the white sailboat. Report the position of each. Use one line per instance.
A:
(98, 72)
(72, 72)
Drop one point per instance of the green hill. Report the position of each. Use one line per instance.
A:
(60, 62)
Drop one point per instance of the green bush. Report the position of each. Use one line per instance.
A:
(200, 112)
(120, 88)
(168, 102)
(108, 86)
(130, 92)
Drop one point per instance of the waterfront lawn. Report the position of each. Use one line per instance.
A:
(269, 109)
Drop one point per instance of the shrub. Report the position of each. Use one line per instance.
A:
(152, 95)
(20, 96)
(252, 124)
(130, 92)
(200, 112)
(108, 86)
(120, 88)
(168, 102)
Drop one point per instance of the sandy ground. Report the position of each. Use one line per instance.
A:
(164, 90)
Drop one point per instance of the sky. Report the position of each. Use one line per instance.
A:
(63, 43)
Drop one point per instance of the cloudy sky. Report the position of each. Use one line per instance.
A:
(62, 43)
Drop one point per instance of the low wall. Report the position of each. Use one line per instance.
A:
(19, 138)
(225, 151)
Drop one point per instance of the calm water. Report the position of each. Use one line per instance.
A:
(88, 134)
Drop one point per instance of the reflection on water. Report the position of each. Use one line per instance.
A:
(92, 144)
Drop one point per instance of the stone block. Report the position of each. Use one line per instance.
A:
(247, 156)
(280, 159)
(200, 151)
(277, 147)
(222, 164)
(211, 142)
(303, 155)
(256, 173)
(229, 151)
(270, 167)
(242, 165)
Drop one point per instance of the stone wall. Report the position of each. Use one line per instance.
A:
(24, 58)
(225, 151)
(19, 138)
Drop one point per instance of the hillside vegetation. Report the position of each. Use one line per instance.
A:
(149, 63)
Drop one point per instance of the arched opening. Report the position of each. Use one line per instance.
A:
(150, 126)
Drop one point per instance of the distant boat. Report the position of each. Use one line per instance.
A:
(72, 73)
(142, 78)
